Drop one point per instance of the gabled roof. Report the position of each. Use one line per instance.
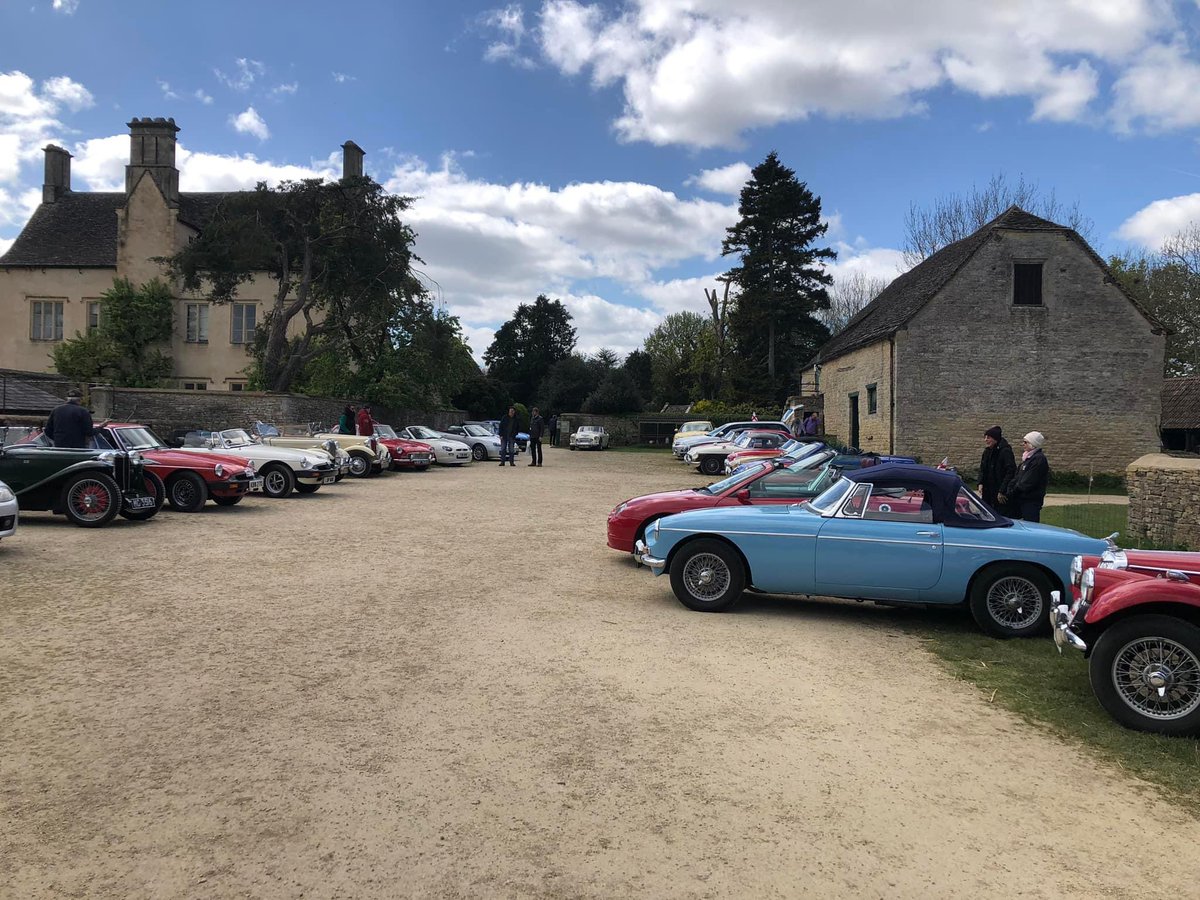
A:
(22, 396)
(904, 297)
(79, 230)
(1180, 403)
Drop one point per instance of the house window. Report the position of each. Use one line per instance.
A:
(195, 385)
(243, 322)
(46, 320)
(1027, 284)
(197, 323)
(872, 399)
(93, 315)
(237, 385)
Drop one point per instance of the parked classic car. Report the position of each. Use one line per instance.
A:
(90, 487)
(9, 511)
(767, 483)
(1135, 615)
(406, 454)
(849, 459)
(680, 446)
(710, 457)
(351, 454)
(895, 534)
(446, 452)
(589, 437)
(189, 480)
(757, 454)
(484, 443)
(691, 429)
(283, 470)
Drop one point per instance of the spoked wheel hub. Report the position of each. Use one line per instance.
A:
(706, 576)
(1015, 602)
(1158, 677)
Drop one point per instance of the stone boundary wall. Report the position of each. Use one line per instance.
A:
(167, 411)
(1164, 500)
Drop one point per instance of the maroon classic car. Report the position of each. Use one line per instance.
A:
(405, 454)
(771, 482)
(189, 479)
(1135, 615)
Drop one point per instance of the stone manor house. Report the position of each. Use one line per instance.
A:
(76, 243)
(1021, 325)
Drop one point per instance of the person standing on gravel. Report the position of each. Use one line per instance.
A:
(508, 437)
(537, 425)
(554, 430)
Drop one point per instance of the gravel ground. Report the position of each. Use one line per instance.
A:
(445, 685)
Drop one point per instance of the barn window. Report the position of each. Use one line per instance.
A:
(1027, 284)
(872, 399)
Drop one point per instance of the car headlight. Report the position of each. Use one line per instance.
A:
(652, 531)
(219, 470)
(1087, 585)
(6, 496)
(250, 467)
(305, 462)
(1076, 571)
(620, 509)
(447, 448)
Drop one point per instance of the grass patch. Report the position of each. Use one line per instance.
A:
(1030, 678)
(1097, 491)
(1094, 519)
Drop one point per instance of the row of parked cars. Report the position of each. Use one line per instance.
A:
(817, 522)
(130, 471)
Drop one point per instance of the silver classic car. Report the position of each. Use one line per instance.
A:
(589, 437)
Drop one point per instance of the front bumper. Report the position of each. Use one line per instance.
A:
(1061, 621)
(643, 557)
(8, 519)
(323, 475)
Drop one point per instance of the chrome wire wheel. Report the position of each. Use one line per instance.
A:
(1157, 677)
(706, 576)
(1015, 602)
(90, 499)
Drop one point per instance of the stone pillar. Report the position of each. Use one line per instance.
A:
(58, 173)
(352, 160)
(152, 150)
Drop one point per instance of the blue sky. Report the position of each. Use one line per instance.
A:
(593, 151)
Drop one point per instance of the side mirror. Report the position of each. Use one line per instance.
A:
(743, 496)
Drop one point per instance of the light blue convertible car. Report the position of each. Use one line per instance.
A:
(894, 533)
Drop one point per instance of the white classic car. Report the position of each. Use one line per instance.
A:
(281, 468)
(446, 452)
(8, 511)
(589, 437)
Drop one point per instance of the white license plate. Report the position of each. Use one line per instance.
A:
(139, 502)
(255, 485)
(329, 479)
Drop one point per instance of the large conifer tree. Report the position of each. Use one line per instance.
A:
(780, 280)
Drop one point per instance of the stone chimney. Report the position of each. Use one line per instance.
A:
(58, 173)
(152, 150)
(352, 160)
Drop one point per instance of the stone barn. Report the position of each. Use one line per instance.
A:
(1021, 325)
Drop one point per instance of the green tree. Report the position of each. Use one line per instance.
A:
(641, 369)
(483, 397)
(780, 280)
(527, 345)
(567, 384)
(1167, 285)
(675, 349)
(340, 257)
(125, 348)
(617, 393)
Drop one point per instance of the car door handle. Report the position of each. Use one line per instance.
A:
(927, 534)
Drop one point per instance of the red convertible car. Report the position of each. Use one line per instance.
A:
(1135, 615)
(405, 454)
(773, 482)
(189, 479)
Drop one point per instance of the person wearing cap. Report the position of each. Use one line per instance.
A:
(1025, 492)
(996, 467)
(70, 424)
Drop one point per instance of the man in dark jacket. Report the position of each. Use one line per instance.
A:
(508, 437)
(996, 467)
(70, 425)
(554, 430)
(1026, 490)
(537, 425)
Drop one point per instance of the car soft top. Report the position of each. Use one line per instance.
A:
(940, 486)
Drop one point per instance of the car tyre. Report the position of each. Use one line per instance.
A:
(228, 501)
(710, 465)
(307, 488)
(155, 486)
(479, 452)
(187, 492)
(361, 465)
(278, 481)
(90, 499)
(707, 575)
(1130, 654)
(1011, 600)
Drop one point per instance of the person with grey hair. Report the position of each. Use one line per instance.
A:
(70, 424)
(1025, 492)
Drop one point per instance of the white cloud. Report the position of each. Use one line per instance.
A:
(248, 71)
(250, 122)
(70, 94)
(29, 119)
(204, 98)
(66, 7)
(5, 243)
(167, 93)
(342, 77)
(701, 72)
(726, 180)
(1153, 224)
(1161, 91)
(871, 262)
(285, 90)
(509, 24)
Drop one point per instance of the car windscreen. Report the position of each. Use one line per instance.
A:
(476, 431)
(420, 431)
(830, 498)
(384, 431)
(721, 487)
(138, 439)
(812, 461)
(742, 440)
(236, 436)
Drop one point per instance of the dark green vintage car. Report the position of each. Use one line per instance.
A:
(90, 487)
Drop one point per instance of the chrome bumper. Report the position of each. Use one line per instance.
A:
(1061, 621)
(643, 557)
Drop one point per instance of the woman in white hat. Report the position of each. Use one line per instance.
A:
(1026, 490)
